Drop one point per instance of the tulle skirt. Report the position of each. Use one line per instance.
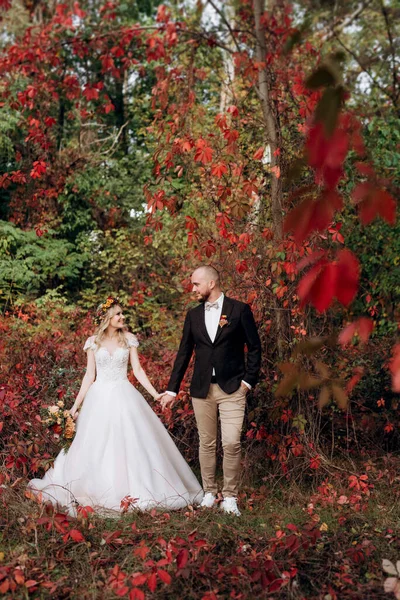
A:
(121, 449)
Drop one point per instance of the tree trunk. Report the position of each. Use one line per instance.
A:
(272, 132)
(272, 139)
(229, 67)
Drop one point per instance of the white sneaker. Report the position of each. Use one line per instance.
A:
(208, 500)
(229, 505)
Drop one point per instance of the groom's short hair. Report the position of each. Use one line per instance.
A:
(212, 273)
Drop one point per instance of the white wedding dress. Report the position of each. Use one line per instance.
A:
(120, 449)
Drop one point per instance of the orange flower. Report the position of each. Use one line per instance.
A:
(69, 428)
(223, 321)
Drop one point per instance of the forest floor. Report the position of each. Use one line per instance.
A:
(290, 542)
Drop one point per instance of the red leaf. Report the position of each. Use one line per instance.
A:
(136, 594)
(275, 585)
(347, 277)
(76, 535)
(395, 368)
(231, 135)
(326, 280)
(208, 248)
(204, 153)
(318, 286)
(5, 586)
(182, 558)
(142, 551)
(219, 169)
(164, 576)
(363, 327)
(241, 266)
(186, 145)
(373, 202)
(191, 224)
(138, 579)
(91, 93)
(358, 372)
(221, 122)
(315, 462)
(258, 154)
(107, 62)
(327, 154)
(233, 110)
(19, 576)
(39, 168)
(50, 121)
(365, 169)
(162, 14)
(78, 11)
(313, 215)
(84, 511)
(18, 177)
(310, 259)
(250, 187)
(152, 582)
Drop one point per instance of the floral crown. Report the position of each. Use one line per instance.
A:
(104, 307)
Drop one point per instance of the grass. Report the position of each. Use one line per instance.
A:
(328, 548)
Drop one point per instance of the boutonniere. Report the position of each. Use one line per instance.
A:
(223, 321)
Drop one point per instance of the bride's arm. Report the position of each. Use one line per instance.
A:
(140, 374)
(86, 382)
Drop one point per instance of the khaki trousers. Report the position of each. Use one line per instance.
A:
(231, 412)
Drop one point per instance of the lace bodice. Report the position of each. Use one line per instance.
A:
(111, 367)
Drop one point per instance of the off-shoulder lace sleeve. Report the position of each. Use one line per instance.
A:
(90, 344)
(132, 340)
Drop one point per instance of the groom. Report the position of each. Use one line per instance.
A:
(217, 330)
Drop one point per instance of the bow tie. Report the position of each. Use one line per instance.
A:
(210, 305)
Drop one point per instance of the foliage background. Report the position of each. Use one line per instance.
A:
(87, 224)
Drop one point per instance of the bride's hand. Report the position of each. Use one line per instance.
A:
(74, 413)
(157, 397)
(166, 400)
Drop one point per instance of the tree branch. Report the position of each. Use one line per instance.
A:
(366, 70)
(223, 17)
(340, 25)
(392, 48)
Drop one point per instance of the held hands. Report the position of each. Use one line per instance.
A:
(166, 400)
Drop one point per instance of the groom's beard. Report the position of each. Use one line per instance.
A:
(204, 298)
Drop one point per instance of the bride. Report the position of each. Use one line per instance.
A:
(121, 449)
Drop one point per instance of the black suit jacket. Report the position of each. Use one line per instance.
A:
(225, 354)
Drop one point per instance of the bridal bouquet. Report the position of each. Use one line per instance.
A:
(58, 420)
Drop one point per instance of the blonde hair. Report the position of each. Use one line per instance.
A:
(104, 323)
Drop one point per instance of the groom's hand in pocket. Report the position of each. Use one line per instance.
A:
(244, 388)
(166, 400)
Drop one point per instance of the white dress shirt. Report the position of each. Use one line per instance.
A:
(212, 319)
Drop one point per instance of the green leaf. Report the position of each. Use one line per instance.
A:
(300, 422)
